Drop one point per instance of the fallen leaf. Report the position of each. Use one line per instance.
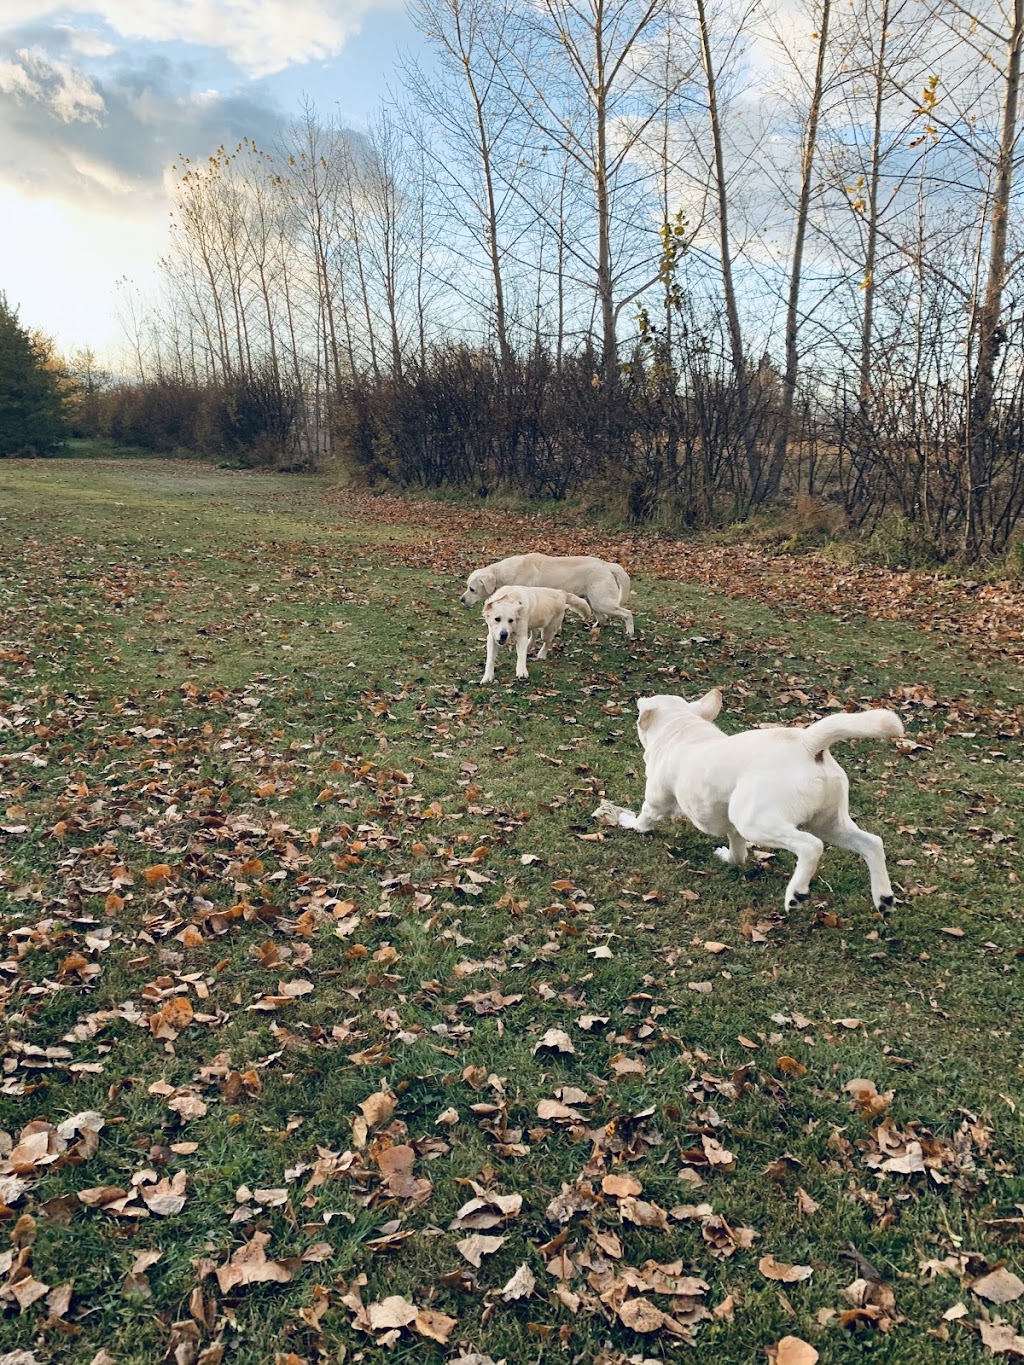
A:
(393, 1311)
(641, 1315)
(378, 1108)
(477, 1245)
(435, 1325)
(166, 1196)
(806, 1206)
(999, 1286)
(1001, 1338)
(792, 1351)
(521, 1285)
(251, 1265)
(772, 1269)
(621, 1185)
(556, 1039)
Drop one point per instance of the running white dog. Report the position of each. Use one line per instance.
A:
(521, 616)
(605, 585)
(778, 787)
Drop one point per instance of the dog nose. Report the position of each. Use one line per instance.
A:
(502, 637)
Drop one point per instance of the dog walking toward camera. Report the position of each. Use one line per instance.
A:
(777, 788)
(604, 584)
(520, 617)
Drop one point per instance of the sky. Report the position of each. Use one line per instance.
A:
(98, 97)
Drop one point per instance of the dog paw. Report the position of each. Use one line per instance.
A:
(797, 898)
(723, 855)
(886, 902)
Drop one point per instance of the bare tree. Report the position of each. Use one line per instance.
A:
(810, 144)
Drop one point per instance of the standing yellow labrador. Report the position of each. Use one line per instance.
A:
(604, 584)
(519, 616)
(779, 787)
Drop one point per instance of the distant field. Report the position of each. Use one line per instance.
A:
(316, 941)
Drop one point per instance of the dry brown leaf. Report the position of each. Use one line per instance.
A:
(378, 1108)
(187, 1105)
(999, 1286)
(717, 1155)
(792, 1351)
(521, 1285)
(621, 1185)
(393, 1311)
(477, 1245)
(642, 1213)
(100, 1195)
(772, 1269)
(556, 1039)
(866, 1099)
(251, 1265)
(58, 1301)
(806, 1206)
(641, 1315)
(621, 1065)
(396, 1167)
(435, 1325)
(166, 1196)
(555, 1109)
(26, 1291)
(1001, 1338)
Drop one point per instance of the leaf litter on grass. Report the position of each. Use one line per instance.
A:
(322, 1019)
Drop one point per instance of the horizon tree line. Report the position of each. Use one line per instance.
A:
(727, 253)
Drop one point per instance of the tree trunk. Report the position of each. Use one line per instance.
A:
(770, 486)
(990, 333)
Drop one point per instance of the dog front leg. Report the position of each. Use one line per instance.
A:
(649, 814)
(522, 646)
(736, 853)
(492, 650)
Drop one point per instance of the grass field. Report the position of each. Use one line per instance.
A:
(315, 943)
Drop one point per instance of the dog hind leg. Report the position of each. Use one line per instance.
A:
(807, 847)
(849, 835)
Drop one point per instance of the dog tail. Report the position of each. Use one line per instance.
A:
(579, 605)
(874, 724)
(622, 578)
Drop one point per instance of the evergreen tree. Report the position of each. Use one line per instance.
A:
(31, 405)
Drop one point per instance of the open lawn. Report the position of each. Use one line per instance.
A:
(311, 943)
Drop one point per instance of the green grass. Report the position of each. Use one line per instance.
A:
(268, 685)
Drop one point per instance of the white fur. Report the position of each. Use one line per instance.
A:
(520, 616)
(605, 585)
(778, 787)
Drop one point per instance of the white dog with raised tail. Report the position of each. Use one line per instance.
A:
(777, 788)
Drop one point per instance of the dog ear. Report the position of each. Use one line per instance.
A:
(488, 580)
(709, 705)
(645, 709)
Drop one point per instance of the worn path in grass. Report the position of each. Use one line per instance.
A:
(333, 1022)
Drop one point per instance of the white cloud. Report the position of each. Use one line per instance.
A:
(15, 80)
(260, 36)
(67, 93)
